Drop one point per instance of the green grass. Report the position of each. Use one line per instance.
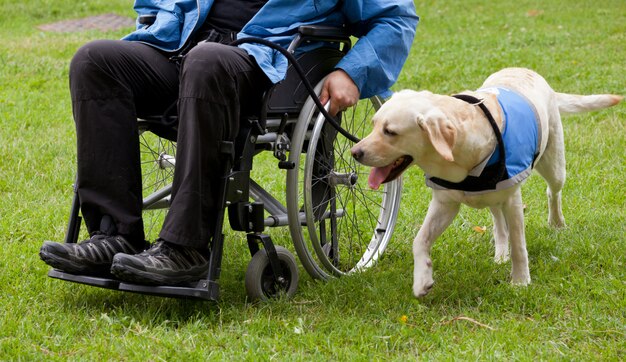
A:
(575, 309)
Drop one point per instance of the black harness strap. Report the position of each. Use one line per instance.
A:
(492, 174)
(479, 102)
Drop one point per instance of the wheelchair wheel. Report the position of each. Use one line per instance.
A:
(337, 223)
(260, 281)
(157, 169)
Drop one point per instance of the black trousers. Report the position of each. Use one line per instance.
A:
(112, 83)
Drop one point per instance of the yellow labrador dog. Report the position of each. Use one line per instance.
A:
(477, 148)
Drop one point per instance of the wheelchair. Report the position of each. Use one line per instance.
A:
(337, 224)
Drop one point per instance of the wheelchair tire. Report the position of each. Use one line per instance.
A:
(338, 225)
(157, 170)
(260, 281)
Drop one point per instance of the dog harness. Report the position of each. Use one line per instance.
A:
(514, 156)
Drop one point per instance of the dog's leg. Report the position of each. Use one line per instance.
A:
(438, 218)
(514, 215)
(551, 166)
(500, 235)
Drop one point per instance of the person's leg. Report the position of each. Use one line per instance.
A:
(218, 84)
(111, 82)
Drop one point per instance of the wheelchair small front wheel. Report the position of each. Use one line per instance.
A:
(261, 284)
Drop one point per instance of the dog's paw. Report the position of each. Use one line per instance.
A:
(423, 283)
(520, 280)
(557, 223)
(502, 256)
(421, 290)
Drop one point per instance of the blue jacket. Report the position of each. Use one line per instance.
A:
(385, 29)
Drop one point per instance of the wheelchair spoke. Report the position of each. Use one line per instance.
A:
(157, 165)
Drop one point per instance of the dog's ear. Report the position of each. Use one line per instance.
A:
(441, 133)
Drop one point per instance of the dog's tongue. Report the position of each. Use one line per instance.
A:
(378, 175)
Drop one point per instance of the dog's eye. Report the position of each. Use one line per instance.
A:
(389, 132)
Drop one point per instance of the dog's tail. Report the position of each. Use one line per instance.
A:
(573, 103)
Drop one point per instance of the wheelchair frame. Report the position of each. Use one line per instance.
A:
(291, 125)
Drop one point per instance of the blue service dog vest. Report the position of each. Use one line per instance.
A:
(522, 139)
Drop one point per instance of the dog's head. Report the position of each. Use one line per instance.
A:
(408, 129)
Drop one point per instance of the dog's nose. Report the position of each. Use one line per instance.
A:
(357, 153)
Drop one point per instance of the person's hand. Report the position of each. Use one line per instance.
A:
(341, 91)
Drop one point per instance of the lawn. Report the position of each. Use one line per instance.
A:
(575, 309)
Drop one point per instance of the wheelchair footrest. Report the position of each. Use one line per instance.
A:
(108, 283)
(204, 290)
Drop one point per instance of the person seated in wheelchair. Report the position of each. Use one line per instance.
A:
(184, 57)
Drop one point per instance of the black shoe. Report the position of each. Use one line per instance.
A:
(163, 264)
(89, 257)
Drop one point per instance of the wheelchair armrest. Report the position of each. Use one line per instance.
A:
(147, 19)
(323, 32)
